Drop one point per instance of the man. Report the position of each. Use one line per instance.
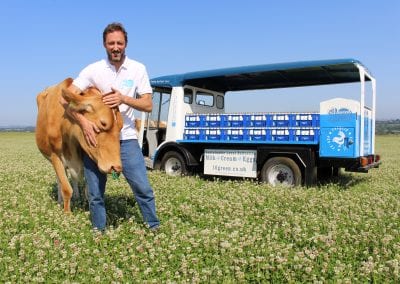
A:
(120, 79)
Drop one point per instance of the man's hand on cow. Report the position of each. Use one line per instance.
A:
(113, 98)
(89, 129)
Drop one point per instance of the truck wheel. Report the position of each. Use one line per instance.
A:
(173, 164)
(281, 171)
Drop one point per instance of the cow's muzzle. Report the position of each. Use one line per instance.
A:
(116, 169)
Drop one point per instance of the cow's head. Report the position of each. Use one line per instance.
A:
(107, 152)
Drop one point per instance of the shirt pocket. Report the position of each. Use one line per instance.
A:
(126, 87)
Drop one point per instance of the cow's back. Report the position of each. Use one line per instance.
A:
(49, 119)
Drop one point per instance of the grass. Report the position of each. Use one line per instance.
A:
(212, 230)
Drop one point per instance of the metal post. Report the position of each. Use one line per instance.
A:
(362, 107)
(373, 112)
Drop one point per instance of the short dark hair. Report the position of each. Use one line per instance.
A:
(115, 27)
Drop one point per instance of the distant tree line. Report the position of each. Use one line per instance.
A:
(387, 126)
(381, 127)
(17, 129)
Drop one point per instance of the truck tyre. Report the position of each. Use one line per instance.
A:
(173, 164)
(281, 171)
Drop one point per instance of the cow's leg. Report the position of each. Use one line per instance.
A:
(66, 189)
(86, 191)
(75, 172)
(75, 187)
(83, 188)
(59, 195)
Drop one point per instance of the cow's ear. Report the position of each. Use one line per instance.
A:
(71, 96)
(76, 102)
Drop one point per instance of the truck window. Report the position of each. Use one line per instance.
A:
(204, 99)
(158, 117)
(188, 96)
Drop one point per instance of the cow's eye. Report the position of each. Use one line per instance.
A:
(103, 123)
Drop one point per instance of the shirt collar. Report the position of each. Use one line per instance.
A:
(123, 66)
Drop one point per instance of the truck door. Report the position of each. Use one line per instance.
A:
(156, 123)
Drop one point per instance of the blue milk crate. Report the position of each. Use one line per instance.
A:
(306, 135)
(304, 120)
(235, 134)
(257, 120)
(279, 120)
(213, 134)
(257, 134)
(194, 120)
(279, 134)
(213, 120)
(235, 120)
(193, 134)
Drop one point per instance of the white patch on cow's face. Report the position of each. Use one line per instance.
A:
(88, 108)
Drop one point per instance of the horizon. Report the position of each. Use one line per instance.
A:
(34, 126)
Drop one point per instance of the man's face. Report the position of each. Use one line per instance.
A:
(115, 46)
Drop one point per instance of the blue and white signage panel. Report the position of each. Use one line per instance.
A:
(337, 142)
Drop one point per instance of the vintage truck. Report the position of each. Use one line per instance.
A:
(189, 131)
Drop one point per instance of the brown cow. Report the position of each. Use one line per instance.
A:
(61, 140)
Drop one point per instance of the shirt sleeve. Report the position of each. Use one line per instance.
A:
(83, 81)
(144, 86)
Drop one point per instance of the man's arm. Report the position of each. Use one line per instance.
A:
(89, 128)
(115, 98)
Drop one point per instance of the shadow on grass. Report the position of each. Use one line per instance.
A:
(342, 181)
(119, 208)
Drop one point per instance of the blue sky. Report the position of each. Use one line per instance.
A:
(45, 41)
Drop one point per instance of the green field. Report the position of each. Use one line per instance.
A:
(212, 231)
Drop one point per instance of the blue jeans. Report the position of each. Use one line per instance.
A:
(134, 170)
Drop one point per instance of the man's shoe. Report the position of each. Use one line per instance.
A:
(155, 229)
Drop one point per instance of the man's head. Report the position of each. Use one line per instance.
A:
(115, 39)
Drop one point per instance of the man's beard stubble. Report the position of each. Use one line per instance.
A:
(112, 58)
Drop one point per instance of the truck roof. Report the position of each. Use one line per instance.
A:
(268, 76)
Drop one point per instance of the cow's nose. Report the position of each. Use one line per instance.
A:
(116, 168)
